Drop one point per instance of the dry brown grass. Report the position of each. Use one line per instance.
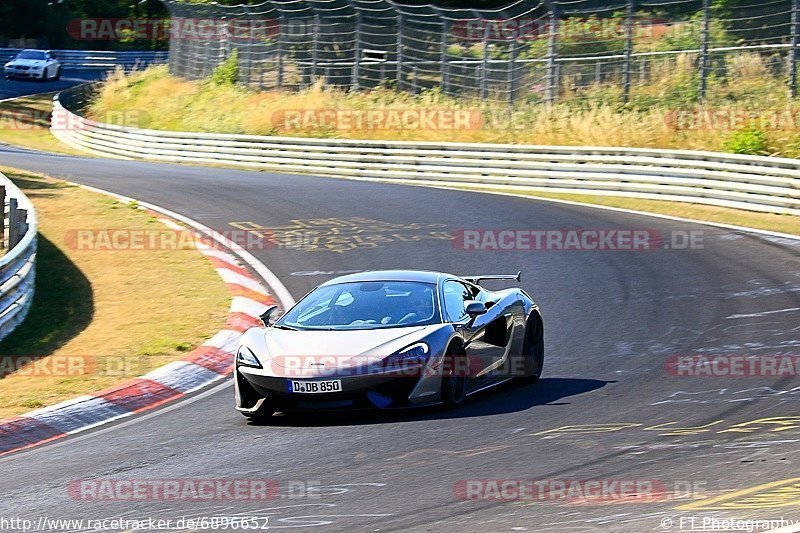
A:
(149, 307)
(589, 117)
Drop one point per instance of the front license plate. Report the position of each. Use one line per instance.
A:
(315, 387)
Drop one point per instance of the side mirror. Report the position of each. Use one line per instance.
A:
(474, 308)
(266, 315)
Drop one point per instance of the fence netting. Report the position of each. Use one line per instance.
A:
(587, 50)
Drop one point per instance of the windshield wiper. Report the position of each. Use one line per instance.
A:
(282, 326)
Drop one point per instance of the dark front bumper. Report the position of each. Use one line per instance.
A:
(23, 74)
(367, 391)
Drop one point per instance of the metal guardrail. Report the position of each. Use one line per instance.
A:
(17, 265)
(90, 59)
(728, 180)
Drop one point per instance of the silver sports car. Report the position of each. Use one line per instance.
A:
(389, 339)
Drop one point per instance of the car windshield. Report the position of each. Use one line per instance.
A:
(31, 54)
(365, 305)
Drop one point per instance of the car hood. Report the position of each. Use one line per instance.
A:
(317, 352)
(28, 62)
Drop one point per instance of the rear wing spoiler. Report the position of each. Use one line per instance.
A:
(477, 279)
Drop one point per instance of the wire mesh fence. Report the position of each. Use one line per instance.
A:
(527, 51)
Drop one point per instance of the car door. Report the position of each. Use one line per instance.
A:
(49, 71)
(486, 335)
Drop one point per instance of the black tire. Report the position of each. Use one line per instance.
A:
(58, 74)
(43, 77)
(454, 382)
(533, 349)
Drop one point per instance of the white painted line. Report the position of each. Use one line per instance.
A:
(222, 338)
(219, 254)
(171, 225)
(764, 313)
(229, 276)
(247, 306)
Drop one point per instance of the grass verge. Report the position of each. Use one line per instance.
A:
(127, 311)
(26, 122)
(662, 113)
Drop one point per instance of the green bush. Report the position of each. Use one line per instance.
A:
(227, 72)
(749, 141)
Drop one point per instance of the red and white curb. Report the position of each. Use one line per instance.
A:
(209, 362)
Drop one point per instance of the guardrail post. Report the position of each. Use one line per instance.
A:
(705, 65)
(552, 55)
(13, 223)
(793, 51)
(356, 74)
(2, 217)
(626, 74)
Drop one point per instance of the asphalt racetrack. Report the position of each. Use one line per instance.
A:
(607, 407)
(70, 77)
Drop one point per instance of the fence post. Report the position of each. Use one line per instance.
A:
(282, 22)
(315, 50)
(485, 64)
(793, 51)
(552, 51)
(598, 72)
(399, 51)
(512, 71)
(354, 81)
(704, 62)
(414, 87)
(626, 74)
(444, 55)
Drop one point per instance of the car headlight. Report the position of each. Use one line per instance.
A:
(245, 356)
(417, 353)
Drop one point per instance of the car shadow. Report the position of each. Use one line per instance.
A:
(503, 399)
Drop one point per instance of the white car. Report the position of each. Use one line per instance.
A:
(33, 64)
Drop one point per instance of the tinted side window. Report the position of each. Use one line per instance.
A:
(455, 294)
